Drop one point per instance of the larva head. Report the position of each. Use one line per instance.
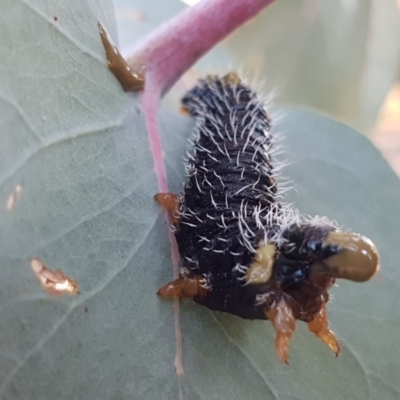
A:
(309, 260)
(292, 276)
(315, 255)
(353, 256)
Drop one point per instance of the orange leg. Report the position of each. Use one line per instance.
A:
(282, 318)
(171, 204)
(320, 327)
(183, 287)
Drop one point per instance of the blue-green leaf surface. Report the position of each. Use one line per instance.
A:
(79, 148)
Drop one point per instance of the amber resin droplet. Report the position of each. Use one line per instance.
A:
(130, 80)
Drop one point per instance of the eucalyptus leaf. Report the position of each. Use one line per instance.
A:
(78, 147)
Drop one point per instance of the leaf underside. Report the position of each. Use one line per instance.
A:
(78, 147)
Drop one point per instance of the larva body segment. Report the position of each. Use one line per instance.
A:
(230, 184)
(243, 251)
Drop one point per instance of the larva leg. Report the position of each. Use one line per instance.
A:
(170, 203)
(281, 316)
(320, 327)
(183, 287)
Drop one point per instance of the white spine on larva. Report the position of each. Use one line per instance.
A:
(280, 214)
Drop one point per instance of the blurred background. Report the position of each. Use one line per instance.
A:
(338, 57)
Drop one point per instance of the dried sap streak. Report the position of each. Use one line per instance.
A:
(244, 252)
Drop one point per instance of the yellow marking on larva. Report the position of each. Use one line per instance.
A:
(260, 270)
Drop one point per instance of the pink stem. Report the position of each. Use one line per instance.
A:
(169, 51)
(164, 56)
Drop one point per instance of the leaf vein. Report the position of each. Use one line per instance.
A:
(246, 355)
(41, 343)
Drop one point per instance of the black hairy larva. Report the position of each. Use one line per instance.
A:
(244, 251)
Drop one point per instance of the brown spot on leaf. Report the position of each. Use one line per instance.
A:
(12, 199)
(53, 282)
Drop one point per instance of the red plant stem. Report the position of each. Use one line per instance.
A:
(169, 51)
(149, 100)
(162, 57)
